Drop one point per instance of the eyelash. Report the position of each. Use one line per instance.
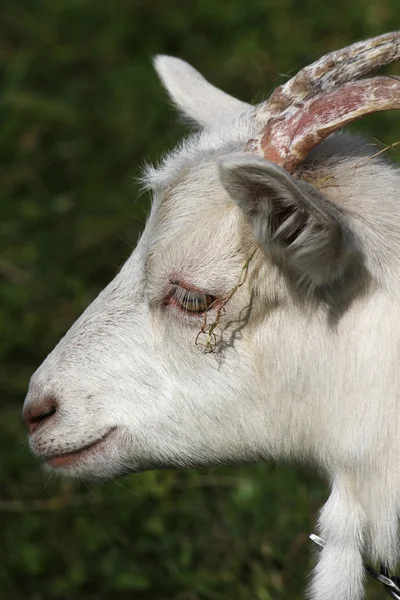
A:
(194, 303)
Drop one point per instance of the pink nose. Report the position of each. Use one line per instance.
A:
(39, 412)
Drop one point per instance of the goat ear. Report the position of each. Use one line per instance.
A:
(291, 219)
(193, 95)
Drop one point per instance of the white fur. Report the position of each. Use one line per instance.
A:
(307, 362)
(205, 104)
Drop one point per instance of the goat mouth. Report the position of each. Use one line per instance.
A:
(69, 458)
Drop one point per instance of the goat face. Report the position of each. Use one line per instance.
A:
(130, 370)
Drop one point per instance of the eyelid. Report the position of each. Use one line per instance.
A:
(195, 302)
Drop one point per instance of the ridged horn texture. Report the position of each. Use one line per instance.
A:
(325, 96)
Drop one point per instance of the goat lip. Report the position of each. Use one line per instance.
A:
(68, 458)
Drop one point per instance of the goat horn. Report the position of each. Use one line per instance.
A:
(333, 70)
(287, 139)
(324, 97)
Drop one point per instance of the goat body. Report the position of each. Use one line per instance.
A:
(256, 318)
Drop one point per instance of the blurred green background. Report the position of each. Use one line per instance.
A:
(81, 110)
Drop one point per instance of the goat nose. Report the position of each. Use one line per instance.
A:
(39, 412)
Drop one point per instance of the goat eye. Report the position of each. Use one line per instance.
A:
(193, 302)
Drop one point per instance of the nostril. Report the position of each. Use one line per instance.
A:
(39, 413)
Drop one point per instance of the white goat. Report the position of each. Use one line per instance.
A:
(258, 315)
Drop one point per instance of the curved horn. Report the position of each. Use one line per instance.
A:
(334, 69)
(324, 97)
(288, 139)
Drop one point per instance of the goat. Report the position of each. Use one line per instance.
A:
(256, 317)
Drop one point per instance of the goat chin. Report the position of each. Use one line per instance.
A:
(257, 317)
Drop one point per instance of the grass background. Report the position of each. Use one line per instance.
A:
(81, 109)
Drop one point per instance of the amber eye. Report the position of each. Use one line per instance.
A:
(192, 302)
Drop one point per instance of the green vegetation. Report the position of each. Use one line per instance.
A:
(81, 109)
